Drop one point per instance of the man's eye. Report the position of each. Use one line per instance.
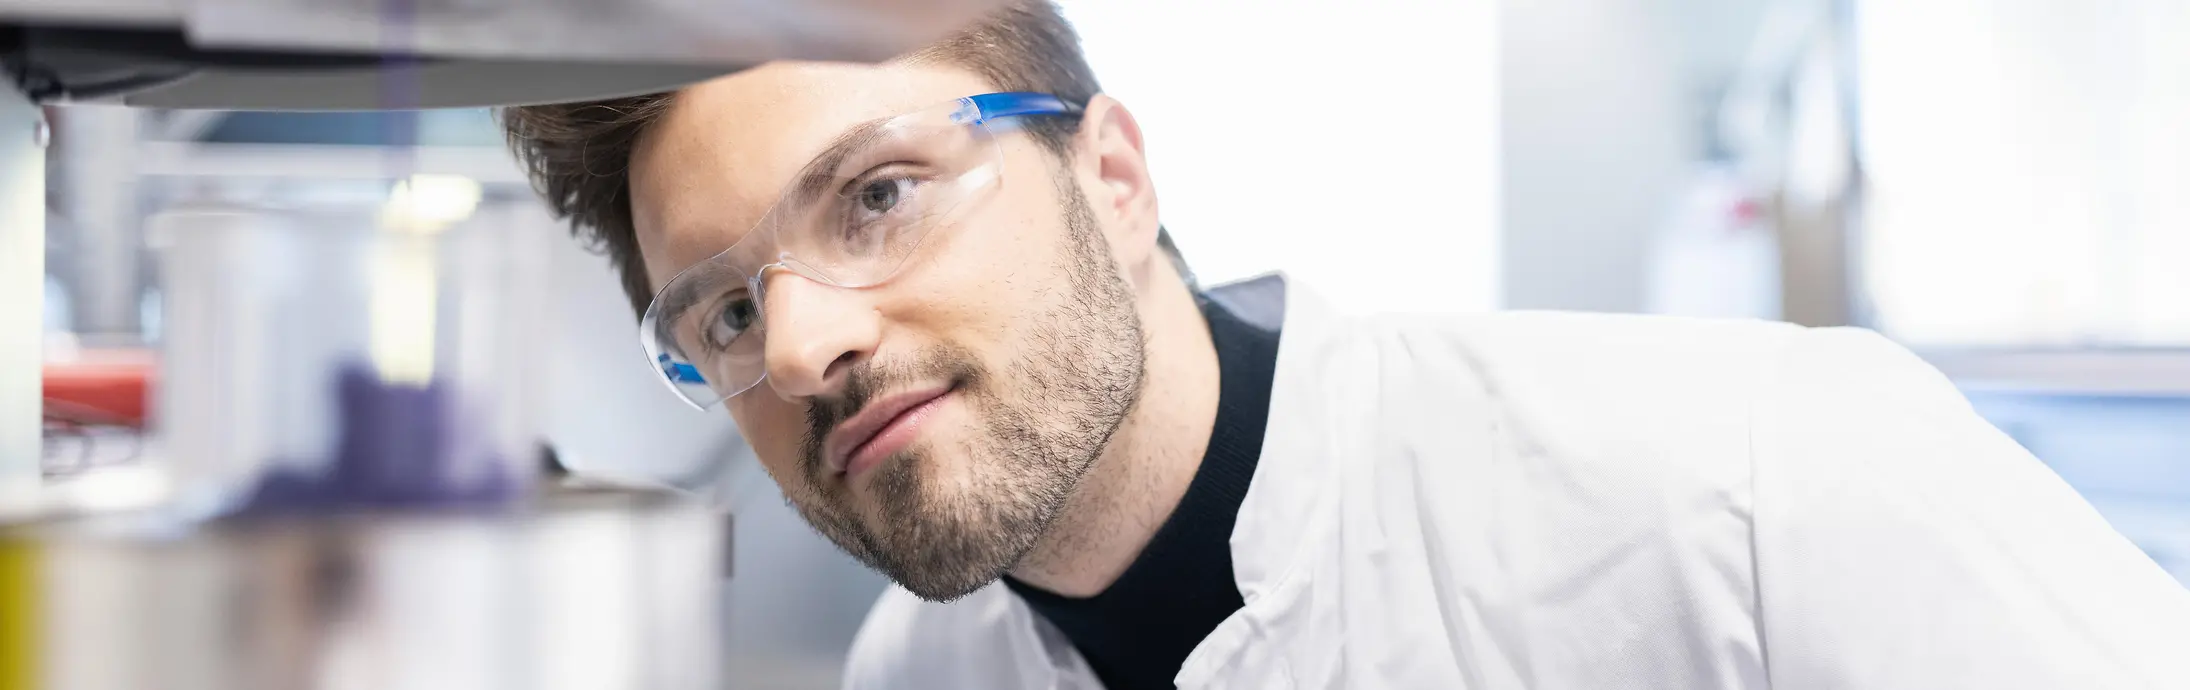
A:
(879, 197)
(877, 210)
(737, 316)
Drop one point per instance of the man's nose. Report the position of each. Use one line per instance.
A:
(816, 334)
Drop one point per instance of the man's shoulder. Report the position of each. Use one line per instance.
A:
(1651, 404)
(1597, 356)
(988, 639)
(1597, 335)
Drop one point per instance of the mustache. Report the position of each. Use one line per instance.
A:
(870, 378)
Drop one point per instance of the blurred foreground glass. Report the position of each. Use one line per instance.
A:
(584, 590)
(346, 356)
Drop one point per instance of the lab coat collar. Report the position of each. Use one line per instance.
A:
(1294, 491)
(1296, 433)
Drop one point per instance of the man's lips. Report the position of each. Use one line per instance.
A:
(853, 446)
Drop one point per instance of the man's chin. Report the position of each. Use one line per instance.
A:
(945, 571)
(907, 533)
(946, 593)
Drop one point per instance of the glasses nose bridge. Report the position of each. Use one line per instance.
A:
(757, 281)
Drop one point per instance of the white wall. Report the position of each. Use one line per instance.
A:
(1596, 143)
(1353, 144)
(1602, 103)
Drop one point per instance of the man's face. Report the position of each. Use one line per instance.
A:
(935, 424)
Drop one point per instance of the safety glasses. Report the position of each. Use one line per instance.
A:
(849, 219)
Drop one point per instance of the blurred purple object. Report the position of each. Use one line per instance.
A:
(399, 446)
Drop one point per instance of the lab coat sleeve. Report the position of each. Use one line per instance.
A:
(1903, 542)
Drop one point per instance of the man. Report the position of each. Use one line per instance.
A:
(936, 298)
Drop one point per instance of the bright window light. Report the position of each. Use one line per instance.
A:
(429, 203)
(1353, 144)
(2028, 162)
(405, 282)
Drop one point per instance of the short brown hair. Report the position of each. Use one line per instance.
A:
(578, 155)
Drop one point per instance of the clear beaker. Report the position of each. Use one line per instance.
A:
(345, 357)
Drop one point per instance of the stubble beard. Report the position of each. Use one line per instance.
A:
(1035, 434)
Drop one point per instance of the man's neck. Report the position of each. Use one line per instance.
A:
(1151, 459)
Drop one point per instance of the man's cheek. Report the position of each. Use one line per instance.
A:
(768, 430)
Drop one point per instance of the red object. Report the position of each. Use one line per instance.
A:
(1747, 210)
(103, 390)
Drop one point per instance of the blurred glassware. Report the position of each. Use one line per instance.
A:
(592, 590)
(1716, 256)
(349, 356)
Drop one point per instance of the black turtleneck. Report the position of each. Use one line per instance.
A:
(1137, 632)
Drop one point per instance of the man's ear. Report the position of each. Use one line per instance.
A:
(1113, 171)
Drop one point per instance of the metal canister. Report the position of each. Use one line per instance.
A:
(594, 590)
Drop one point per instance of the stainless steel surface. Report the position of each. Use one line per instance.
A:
(325, 55)
(435, 85)
(22, 289)
(121, 12)
(719, 32)
(593, 591)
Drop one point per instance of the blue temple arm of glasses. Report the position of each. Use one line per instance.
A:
(679, 371)
(1013, 103)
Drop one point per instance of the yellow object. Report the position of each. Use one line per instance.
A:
(19, 584)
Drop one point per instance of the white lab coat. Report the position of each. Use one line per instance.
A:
(1587, 501)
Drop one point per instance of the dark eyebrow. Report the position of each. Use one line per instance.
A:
(819, 176)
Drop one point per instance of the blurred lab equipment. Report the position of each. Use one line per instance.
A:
(392, 337)
(1786, 122)
(341, 489)
(1716, 255)
(95, 411)
(583, 590)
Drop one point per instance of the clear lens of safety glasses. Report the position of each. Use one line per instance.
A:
(850, 219)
